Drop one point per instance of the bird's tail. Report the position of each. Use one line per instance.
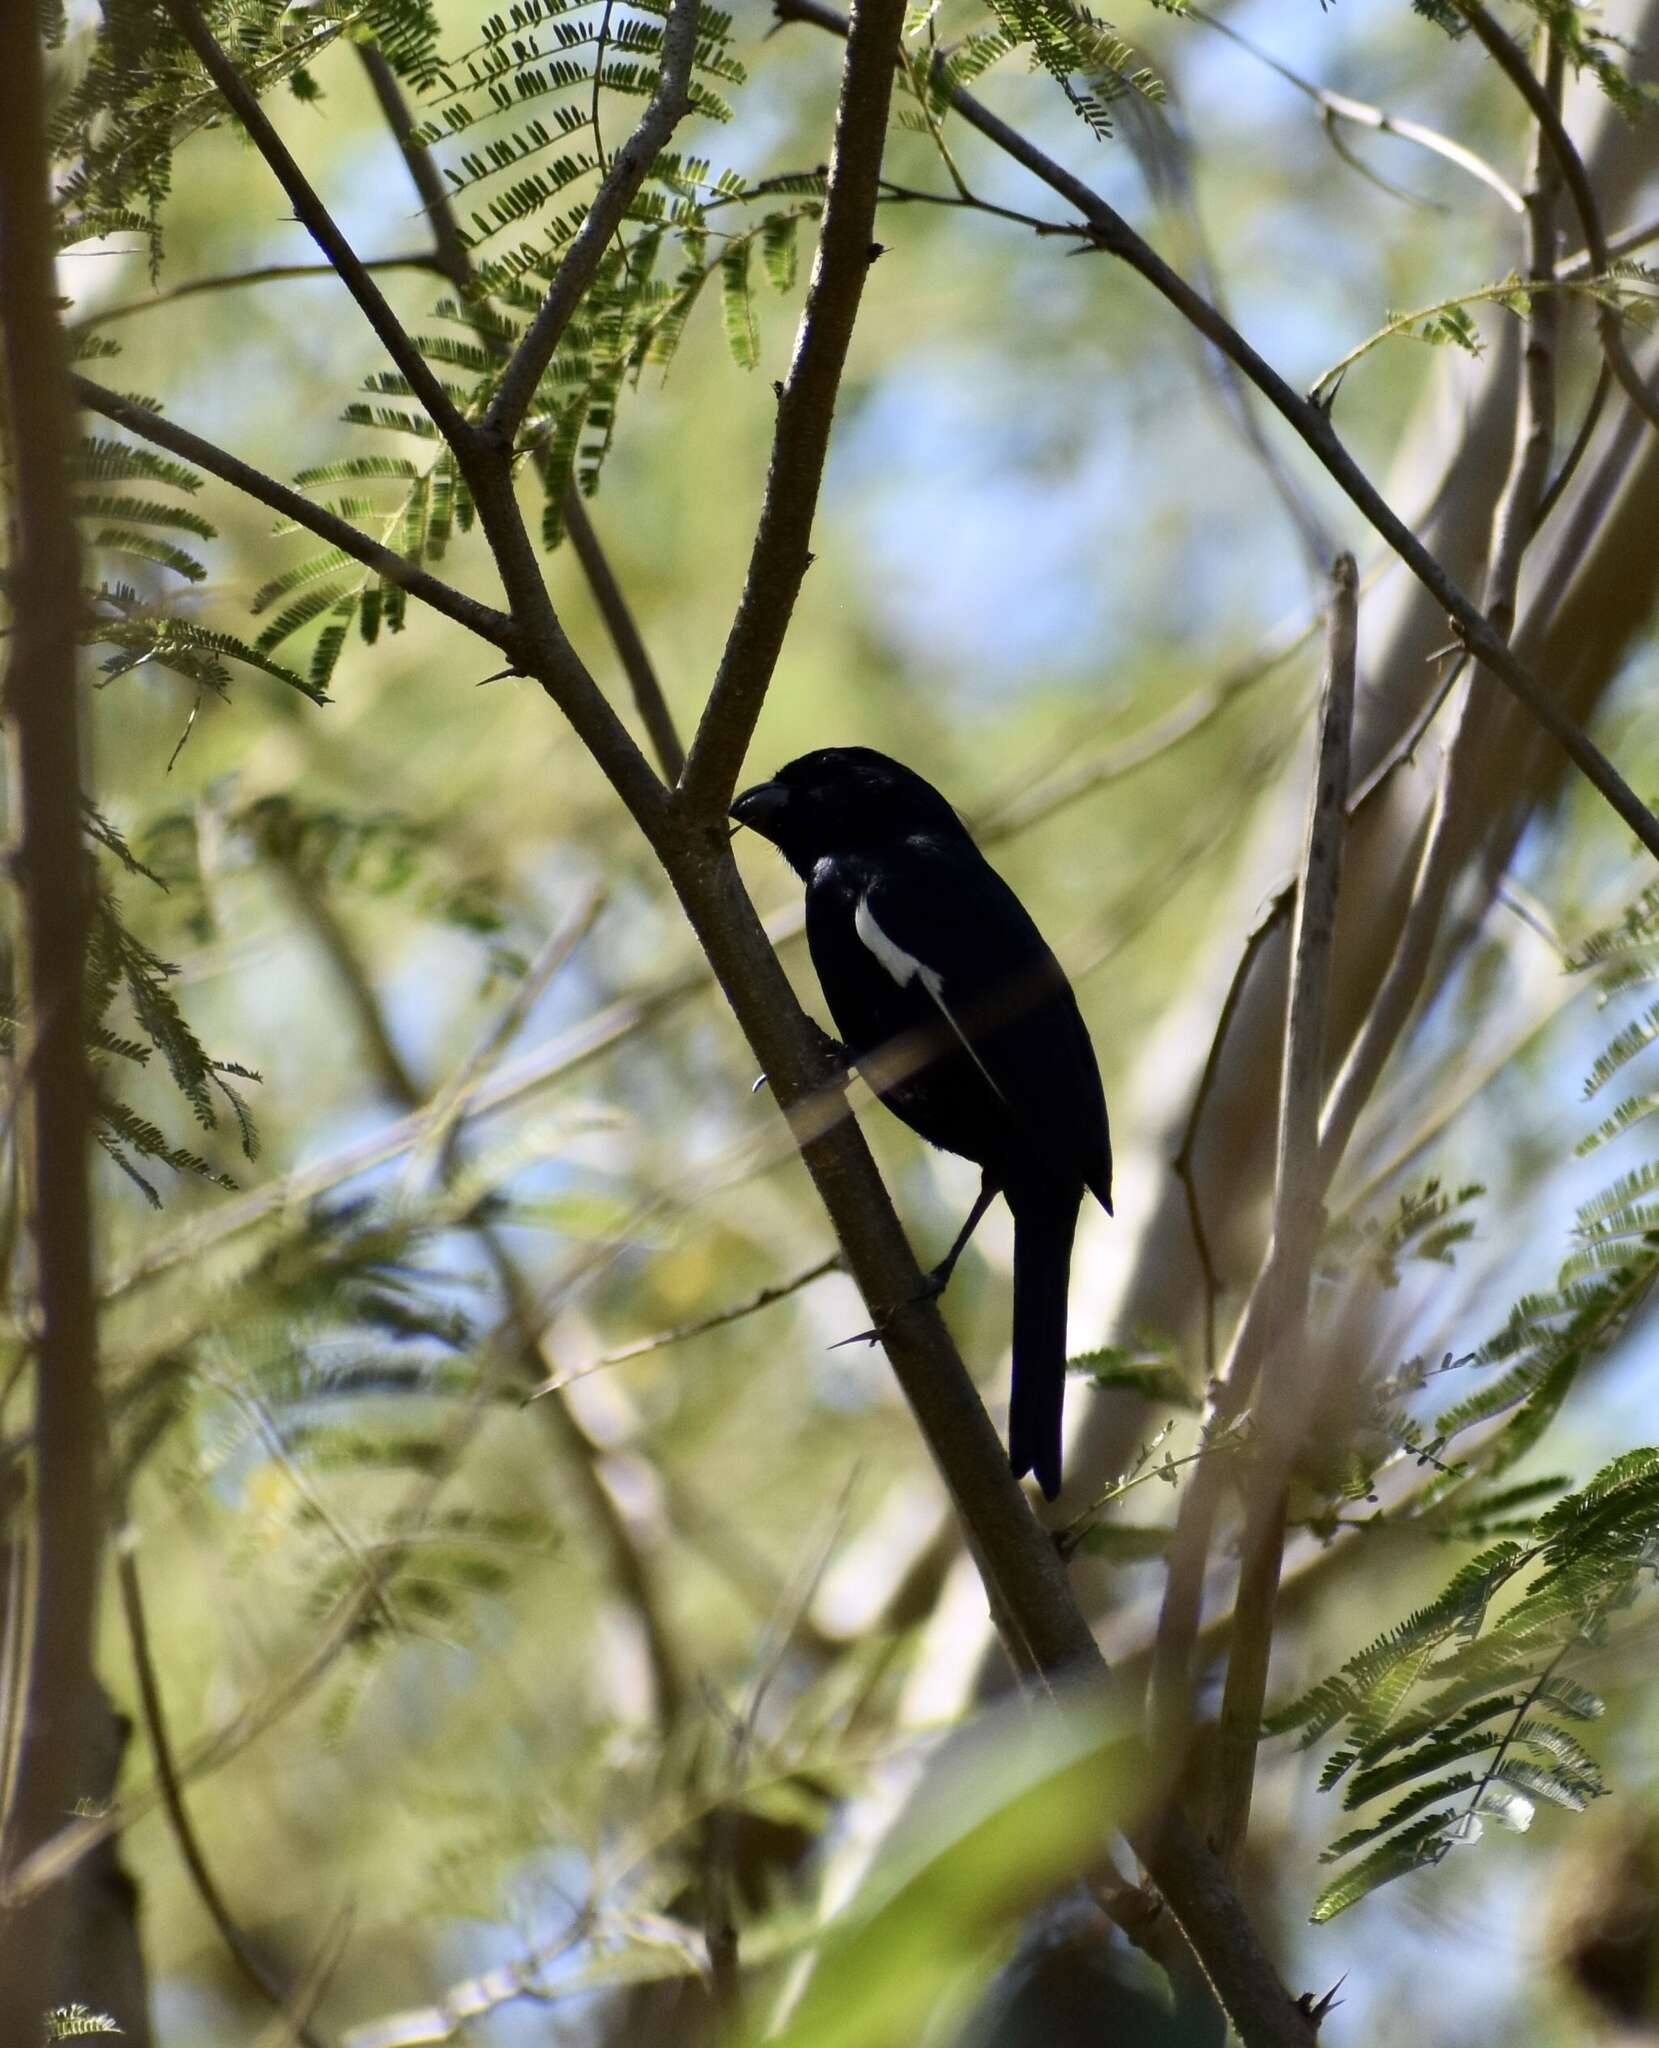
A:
(1043, 1230)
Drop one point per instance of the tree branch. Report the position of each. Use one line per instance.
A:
(668, 106)
(489, 624)
(316, 219)
(53, 1749)
(806, 407)
(1298, 1217)
(1116, 237)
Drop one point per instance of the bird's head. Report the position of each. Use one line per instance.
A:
(841, 800)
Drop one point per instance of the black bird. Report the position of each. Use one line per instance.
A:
(958, 1015)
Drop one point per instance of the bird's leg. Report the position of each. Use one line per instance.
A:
(939, 1278)
(935, 1283)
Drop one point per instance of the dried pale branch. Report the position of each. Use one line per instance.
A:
(1338, 106)
(1298, 1214)
(1438, 865)
(1514, 526)
(1545, 108)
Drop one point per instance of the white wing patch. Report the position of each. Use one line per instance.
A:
(905, 968)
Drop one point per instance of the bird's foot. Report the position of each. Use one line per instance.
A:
(836, 1059)
(833, 1057)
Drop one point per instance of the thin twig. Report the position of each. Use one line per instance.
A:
(1338, 106)
(893, 194)
(667, 107)
(682, 1333)
(637, 665)
(54, 1745)
(234, 280)
(1581, 444)
(1298, 1214)
(484, 620)
(1182, 1164)
(242, 1951)
(1115, 237)
(450, 255)
(806, 406)
(309, 1991)
(1617, 247)
(316, 219)
(443, 1114)
(1324, 386)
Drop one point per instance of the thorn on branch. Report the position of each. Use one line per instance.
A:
(1316, 2009)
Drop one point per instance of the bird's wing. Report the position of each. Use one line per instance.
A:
(943, 919)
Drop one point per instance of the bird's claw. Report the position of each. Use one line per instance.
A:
(833, 1053)
(830, 1051)
(933, 1283)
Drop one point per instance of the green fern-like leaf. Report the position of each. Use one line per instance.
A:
(1410, 1849)
(737, 308)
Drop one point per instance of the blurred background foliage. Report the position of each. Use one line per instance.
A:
(493, 1693)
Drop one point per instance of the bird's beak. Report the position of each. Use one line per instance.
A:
(760, 808)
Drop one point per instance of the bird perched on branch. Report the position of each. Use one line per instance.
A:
(957, 1014)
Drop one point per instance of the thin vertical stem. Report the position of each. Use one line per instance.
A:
(1298, 1215)
(60, 1690)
